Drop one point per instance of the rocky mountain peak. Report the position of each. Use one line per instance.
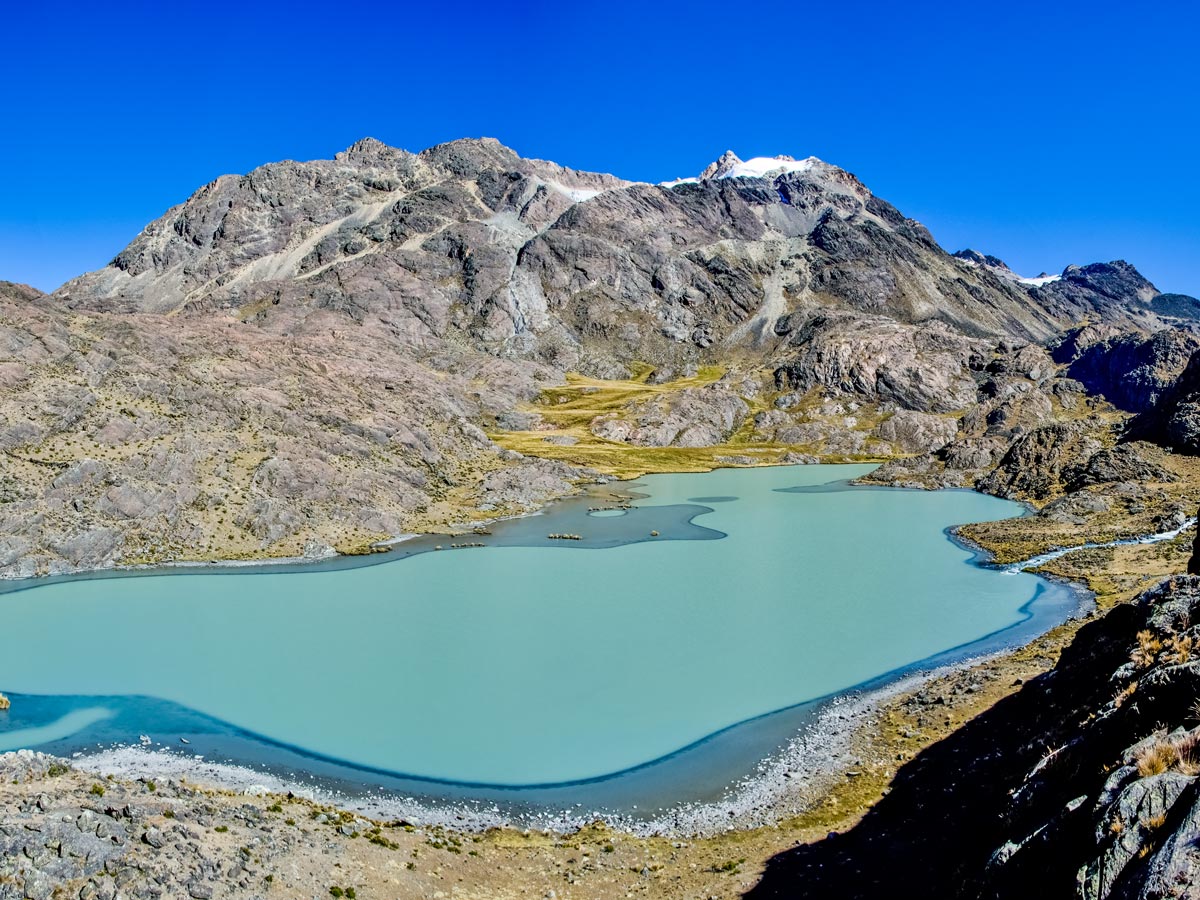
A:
(723, 164)
(370, 151)
(981, 259)
(1114, 279)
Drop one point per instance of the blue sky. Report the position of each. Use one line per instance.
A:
(1044, 133)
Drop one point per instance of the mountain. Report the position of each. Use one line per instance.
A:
(527, 257)
(322, 354)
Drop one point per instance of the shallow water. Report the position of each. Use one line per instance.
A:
(529, 661)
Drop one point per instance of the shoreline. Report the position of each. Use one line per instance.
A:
(785, 783)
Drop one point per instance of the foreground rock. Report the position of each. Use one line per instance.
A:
(1085, 783)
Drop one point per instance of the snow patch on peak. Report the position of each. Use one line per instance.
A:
(1040, 280)
(678, 181)
(766, 167)
(574, 194)
(729, 165)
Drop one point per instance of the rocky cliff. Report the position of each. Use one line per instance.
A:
(1084, 783)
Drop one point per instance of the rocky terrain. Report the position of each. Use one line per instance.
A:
(319, 355)
(1083, 783)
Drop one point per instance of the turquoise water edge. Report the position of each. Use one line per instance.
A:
(612, 670)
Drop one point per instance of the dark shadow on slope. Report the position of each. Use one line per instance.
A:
(950, 808)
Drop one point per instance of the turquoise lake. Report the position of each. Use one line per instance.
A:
(529, 661)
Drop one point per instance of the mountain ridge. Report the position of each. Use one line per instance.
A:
(335, 351)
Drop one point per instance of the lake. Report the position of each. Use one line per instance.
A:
(530, 661)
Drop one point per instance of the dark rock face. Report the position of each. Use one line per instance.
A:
(1035, 462)
(1174, 421)
(1179, 306)
(1193, 566)
(1125, 462)
(924, 369)
(1083, 784)
(1131, 371)
(1098, 291)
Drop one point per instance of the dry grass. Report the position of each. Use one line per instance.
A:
(1177, 650)
(1147, 650)
(1124, 694)
(1156, 758)
(568, 411)
(1155, 822)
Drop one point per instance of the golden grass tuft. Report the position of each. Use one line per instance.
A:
(1177, 650)
(1155, 822)
(1124, 694)
(1147, 650)
(1156, 758)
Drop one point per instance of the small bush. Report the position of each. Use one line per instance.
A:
(98, 790)
(221, 829)
(730, 866)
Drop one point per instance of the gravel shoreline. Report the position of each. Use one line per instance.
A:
(786, 784)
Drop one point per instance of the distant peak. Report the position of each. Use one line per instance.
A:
(730, 165)
(369, 150)
(981, 259)
(724, 163)
(998, 266)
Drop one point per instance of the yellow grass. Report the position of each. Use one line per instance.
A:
(569, 410)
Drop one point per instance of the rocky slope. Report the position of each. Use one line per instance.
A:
(1082, 784)
(322, 354)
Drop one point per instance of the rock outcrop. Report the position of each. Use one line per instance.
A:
(1174, 421)
(1085, 783)
(1034, 464)
(1130, 370)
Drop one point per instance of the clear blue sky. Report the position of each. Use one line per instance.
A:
(1046, 133)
